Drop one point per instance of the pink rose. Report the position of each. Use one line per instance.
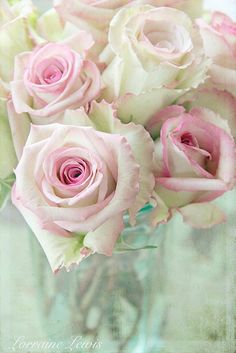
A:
(49, 80)
(219, 40)
(52, 78)
(195, 157)
(73, 183)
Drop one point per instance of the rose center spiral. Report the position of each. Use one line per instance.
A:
(52, 74)
(73, 171)
(188, 139)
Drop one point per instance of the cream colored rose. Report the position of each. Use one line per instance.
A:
(15, 21)
(154, 56)
(95, 16)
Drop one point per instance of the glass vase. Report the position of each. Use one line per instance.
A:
(179, 297)
(104, 305)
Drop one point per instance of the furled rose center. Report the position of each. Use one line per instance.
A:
(165, 36)
(194, 148)
(48, 71)
(52, 74)
(188, 139)
(73, 171)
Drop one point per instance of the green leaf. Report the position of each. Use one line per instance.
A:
(135, 249)
(5, 189)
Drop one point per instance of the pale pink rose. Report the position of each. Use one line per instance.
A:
(94, 16)
(74, 184)
(52, 78)
(219, 40)
(49, 80)
(195, 157)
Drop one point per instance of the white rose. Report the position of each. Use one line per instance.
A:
(154, 56)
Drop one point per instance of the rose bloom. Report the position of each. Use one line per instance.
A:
(74, 183)
(195, 157)
(93, 16)
(48, 80)
(51, 79)
(219, 40)
(153, 57)
(14, 34)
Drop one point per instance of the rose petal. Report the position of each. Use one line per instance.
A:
(55, 247)
(7, 154)
(155, 123)
(215, 44)
(160, 213)
(103, 239)
(20, 127)
(202, 215)
(134, 134)
(224, 77)
(14, 39)
(221, 102)
(140, 108)
(192, 184)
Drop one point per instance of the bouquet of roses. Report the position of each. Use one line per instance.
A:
(110, 105)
